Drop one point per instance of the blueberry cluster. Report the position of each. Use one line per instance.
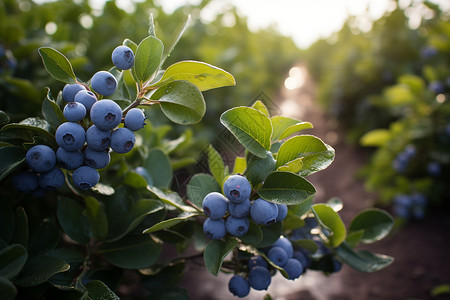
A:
(407, 206)
(85, 151)
(230, 213)
(401, 162)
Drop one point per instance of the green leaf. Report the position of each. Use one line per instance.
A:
(302, 208)
(132, 252)
(164, 278)
(57, 65)
(177, 36)
(204, 76)
(215, 253)
(307, 244)
(97, 218)
(251, 127)
(44, 237)
(158, 166)
(97, 290)
(274, 265)
(181, 102)
(375, 138)
(7, 221)
(21, 233)
(284, 127)
(39, 269)
(253, 236)
(442, 289)
(293, 166)
(354, 237)
(259, 168)
(171, 198)
(259, 105)
(27, 130)
(133, 217)
(12, 259)
(286, 188)
(271, 234)
(147, 58)
(199, 186)
(215, 164)
(71, 218)
(375, 223)
(331, 220)
(7, 289)
(51, 111)
(363, 261)
(240, 164)
(170, 222)
(315, 153)
(4, 119)
(11, 157)
(136, 180)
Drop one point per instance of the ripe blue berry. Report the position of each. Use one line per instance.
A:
(25, 181)
(96, 159)
(237, 188)
(74, 111)
(282, 212)
(214, 229)
(97, 139)
(237, 226)
(106, 114)
(293, 268)
(85, 177)
(302, 257)
(239, 286)
(70, 90)
(239, 210)
(134, 119)
(278, 255)
(104, 83)
(215, 205)
(123, 57)
(86, 98)
(70, 136)
(122, 140)
(286, 244)
(41, 158)
(263, 212)
(51, 180)
(257, 260)
(259, 278)
(69, 160)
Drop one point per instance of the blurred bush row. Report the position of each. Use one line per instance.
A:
(389, 89)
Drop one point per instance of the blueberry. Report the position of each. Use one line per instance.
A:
(215, 205)
(259, 278)
(337, 265)
(96, 159)
(87, 98)
(293, 268)
(134, 119)
(302, 257)
(263, 212)
(70, 136)
(419, 199)
(237, 226)
(401, 211)
(434, 168)
(310, 222)
(85, 177)
(123, 57)
(286, 245)
(51, 180)
(278, 255)
(237, 188)
(106, 114)
(239, 210)
(437, 87)
(97, 139)
(282, 212)
(104, 83)
(69, 160)
(122, 140)
(214, 229)
(70, 90)
(301, 233)
(257, 260)
(403, 200)
(41, 158)
(410, 151)
(74, 111)
(239, 286)
(25, 181)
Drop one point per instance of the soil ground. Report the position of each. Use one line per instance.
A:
(421, 249)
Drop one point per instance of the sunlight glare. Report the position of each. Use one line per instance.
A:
(296, 78)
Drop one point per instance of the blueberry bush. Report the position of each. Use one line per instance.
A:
(88, 205)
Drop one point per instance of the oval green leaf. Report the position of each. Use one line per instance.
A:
(74, 223)
(51, 111)
(7, 289)
(363, 261)
(12, 259)
(251, 127)
(331, 220)
(286, 188)
(170, 222)
(375, 222)
(215, 164)
(283, 125)
(215, 253)
(97, 218)
(270, 234)
(97, 290)
(375, 138)
(259, 168)
(11, 158)
(57, 65)
(254, 234)
(147, 58)
(199, 186)
(158, 166)
(39, 269)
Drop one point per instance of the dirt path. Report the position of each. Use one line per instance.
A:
(421, 249)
